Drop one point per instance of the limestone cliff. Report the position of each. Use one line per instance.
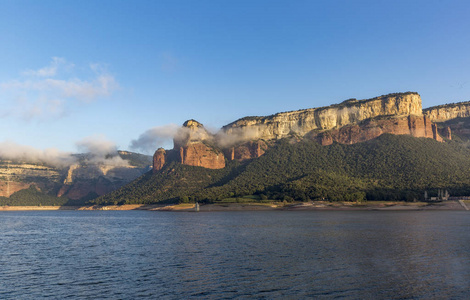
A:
(336, 116)
(447, 112)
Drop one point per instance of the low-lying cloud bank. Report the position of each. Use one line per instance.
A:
(12, 151)
(98, 150)
(159, 136)
(154, 138)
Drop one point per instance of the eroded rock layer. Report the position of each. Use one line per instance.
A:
(194, 147)
(324, 118)
(417, 126)
(447, 112)
(159, 159)
(201, 155)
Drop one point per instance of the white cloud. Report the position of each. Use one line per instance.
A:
(47, 92)
(102, 150)
(99, 150)
(13, 151)
(154, 138)
(52, 69)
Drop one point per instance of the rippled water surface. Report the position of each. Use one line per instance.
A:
(294, 255)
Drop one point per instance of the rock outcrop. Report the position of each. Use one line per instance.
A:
(349, 122)
(447, 133)
(76, 181)
(301, 122)
(159, 159)
(417, 126)
(194, 146)
(201, 155)
(447, 112)
(248, 150)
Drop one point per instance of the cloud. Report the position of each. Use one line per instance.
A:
(154, 138)
(52, 69)
(48, 92)
(13, 151)
(101, 151)
(238, 135)
(98, 150)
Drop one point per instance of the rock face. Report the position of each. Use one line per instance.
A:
(447, 112)
(248, 150)
(349, 122)
(447, 133)
(417, 126)
(159, 159)
(96, 180)
(201, 155)
(76, 181)
(324, 118)
(194, 146)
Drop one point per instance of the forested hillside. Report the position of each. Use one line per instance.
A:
(390, 167)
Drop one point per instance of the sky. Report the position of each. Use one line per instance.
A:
(127, 74)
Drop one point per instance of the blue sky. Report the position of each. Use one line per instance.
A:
(113, 70)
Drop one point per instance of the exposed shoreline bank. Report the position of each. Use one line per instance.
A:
(321, 205)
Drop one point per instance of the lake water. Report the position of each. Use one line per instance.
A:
(235, 255)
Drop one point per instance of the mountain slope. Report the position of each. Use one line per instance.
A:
(387, 168)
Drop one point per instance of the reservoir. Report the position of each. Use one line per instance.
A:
(235, 254)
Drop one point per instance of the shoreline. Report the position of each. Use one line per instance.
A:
(317, 206)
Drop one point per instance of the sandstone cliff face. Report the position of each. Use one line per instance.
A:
(74, 182)
(201, 155)
(159, 160)
(349, 122)
(193, 145)
(248, 150)
(446, 112)
(417, 126)
(324, 118)
(16, 176)
(81, 180)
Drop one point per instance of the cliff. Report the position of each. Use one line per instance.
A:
(302, 122)
(194, 146)
(77, 181)
(417, 126)
(349, 122)
(447, 112)
(159, 159)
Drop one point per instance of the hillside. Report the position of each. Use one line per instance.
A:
(389, 167)
(83, 178)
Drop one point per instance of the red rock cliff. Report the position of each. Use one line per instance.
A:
(201, 155)
(194, 146)
(159, 159)
(248, 150)
(417, 126)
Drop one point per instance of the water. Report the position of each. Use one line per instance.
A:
(234, 255)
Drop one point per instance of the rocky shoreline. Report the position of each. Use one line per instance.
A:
(321, 205)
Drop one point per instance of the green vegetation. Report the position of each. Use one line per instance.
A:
(32, 197)
(387, 168)
(136, 159)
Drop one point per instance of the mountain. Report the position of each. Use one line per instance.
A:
(390, 167)
(349, 122)
(73, 183)
(384, 148)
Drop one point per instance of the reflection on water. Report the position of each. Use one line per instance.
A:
(141, 254)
